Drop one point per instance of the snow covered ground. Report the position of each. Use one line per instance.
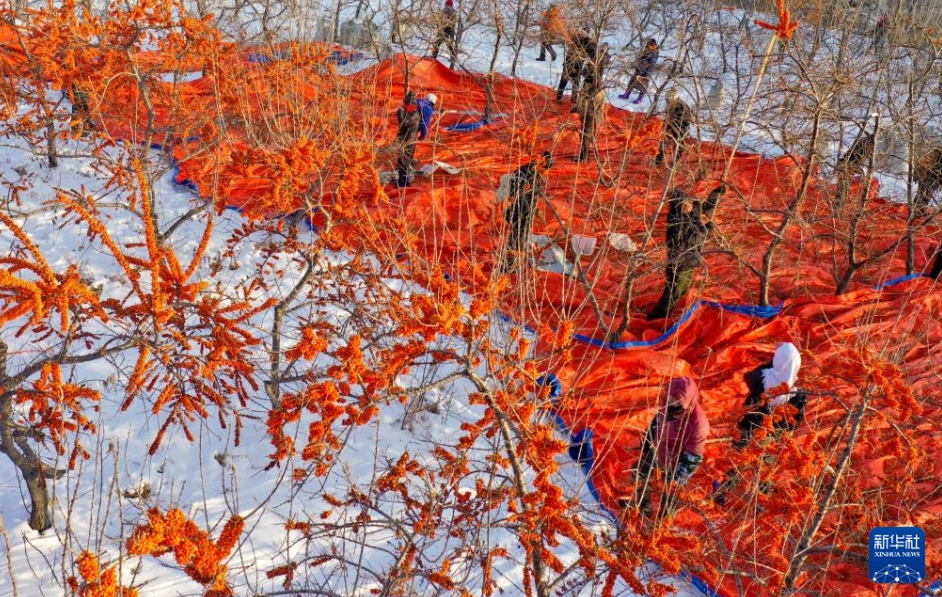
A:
(210, 479)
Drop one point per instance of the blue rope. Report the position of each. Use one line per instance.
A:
(899, 280)
(341, 58)
(467, 127)
(757, 311)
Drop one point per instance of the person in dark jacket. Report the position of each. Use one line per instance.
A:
(780, 373)
(927, 174)
(686, 234)
(578, 50)
(598, 60)
(410, 119)
(674, 444)
(447, 31)
(677, 123)
(645, 64)
(853, 163)
(527, 185)
(879, 33)
(414, 117)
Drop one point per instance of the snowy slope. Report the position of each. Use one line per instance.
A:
(212, 479)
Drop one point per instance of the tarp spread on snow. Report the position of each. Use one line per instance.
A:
(610, 385)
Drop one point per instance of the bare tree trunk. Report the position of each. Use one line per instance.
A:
(519, 479)
(624, 305)
(519, 34)
(489, 79)
(273, 385)
(336, 28)
(52, 158)
(21, 455)
(852, 264)
(790, 213)
(910, 223)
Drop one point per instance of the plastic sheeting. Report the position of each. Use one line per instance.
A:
(716, 334)
(610, 385)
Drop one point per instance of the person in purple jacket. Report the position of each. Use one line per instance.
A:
(644, 67)
(674, 444)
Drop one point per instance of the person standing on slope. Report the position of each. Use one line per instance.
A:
(552, 31)
(677, 123)
(527, 185)
(853, 163)
(644, 68)
(686, 234)
(674, 444)
(447, 31)
(578, 49)
(414, 117)
(409, 119)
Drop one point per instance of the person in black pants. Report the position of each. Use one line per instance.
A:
(527, 185)
(447, 31)
(410, 120)
(578, 51)
(677, 123)
(686, 234)
(645, 64)
(780, 373)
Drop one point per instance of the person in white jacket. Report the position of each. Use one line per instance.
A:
(780, 374)
(763, 379)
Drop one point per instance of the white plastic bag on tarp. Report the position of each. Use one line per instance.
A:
(621, 242)
(582, 245)
(427, 169)
(553, 258)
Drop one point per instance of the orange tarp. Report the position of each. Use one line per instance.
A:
(457, 223)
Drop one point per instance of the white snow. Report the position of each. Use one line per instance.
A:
(210, 478)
